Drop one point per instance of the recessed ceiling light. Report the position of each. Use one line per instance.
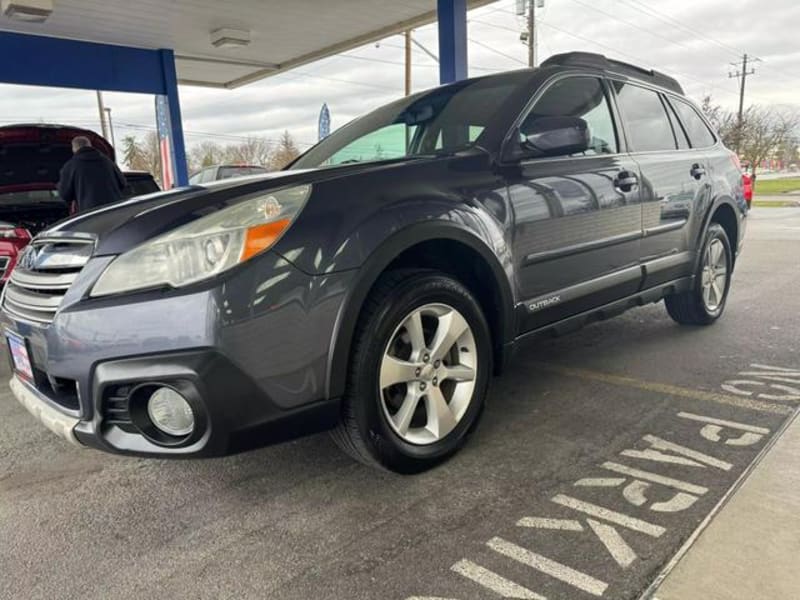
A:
(226, 37)
(30, 11)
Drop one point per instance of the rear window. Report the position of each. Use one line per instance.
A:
(228, 172)
(646, 120)
(139, 186)
(29, 197)
(700, 135)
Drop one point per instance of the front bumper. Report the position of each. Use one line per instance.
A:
(52, 418)
(252, 353)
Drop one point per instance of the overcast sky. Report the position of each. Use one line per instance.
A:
(693, 40)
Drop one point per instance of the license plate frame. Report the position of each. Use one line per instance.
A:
(20, 355)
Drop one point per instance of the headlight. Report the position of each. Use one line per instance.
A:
(205, 247)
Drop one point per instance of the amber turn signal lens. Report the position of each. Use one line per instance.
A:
(261, 237)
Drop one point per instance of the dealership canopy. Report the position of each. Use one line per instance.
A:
(150, 46)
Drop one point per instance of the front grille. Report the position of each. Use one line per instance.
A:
(45, 270)
(3, 265)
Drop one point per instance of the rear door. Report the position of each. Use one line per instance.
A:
(674, 183)
(577, 217)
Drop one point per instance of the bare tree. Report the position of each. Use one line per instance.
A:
(252, 151)
(765, 130)
(205, 154)
(285, 153)
(143, 154)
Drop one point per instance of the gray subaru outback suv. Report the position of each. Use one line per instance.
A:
(375, 285)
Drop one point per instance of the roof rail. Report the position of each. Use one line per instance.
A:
(598, 61)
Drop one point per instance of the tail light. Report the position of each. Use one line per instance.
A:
(14, 233)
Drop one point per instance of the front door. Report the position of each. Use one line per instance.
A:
(578, 220)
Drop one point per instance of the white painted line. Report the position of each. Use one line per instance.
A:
(655, 478)
(770, 368)
(600, 481)
(792, 393)
(609, 515)
(428, 598)
(494, 582)
(786, 378)
(661, 444)
(724, 423)
(746, 439)
(680, 501)
(541, 523)
(634, 492)
(550, 567)
(657, 456)
(617, 547)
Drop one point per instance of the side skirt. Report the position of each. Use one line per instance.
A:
(612, 309)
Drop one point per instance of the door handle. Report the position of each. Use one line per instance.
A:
(626, 181)
(697, 171)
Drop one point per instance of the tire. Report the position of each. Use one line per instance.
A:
(704, 304)
(378, 425)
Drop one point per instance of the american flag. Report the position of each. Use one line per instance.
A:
(165, 142)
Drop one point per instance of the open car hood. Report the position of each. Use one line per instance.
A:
(32, 155)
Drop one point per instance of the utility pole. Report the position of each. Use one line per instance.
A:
(110, 126)
(742, 75)
(531, 33)
(408, 61)
(101, 110)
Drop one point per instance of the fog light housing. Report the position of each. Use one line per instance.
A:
(170, 412)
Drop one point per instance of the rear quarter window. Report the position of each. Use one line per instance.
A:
(700, 135)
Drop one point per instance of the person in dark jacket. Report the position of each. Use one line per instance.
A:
(89, 179)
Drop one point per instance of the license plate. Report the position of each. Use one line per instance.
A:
(19, 355)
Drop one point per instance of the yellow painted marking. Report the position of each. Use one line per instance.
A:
(666, 388)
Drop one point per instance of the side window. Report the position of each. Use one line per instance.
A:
(699, 134)
(646, 121)
(677, 128)
(582, 97)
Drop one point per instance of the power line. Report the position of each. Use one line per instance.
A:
(496, 51)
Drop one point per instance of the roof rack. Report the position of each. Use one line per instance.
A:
(598, 61)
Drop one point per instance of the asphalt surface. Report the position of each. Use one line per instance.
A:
(598, 455)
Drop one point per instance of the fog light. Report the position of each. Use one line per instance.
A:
(170, 412)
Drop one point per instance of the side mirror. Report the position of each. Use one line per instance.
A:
(556, 136)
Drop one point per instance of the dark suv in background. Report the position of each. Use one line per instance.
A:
(375, 285)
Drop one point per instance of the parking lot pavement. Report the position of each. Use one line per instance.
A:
(598, 456)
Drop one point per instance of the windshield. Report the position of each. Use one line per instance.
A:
(443, 120)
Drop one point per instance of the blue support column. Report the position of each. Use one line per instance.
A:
(48, 61)
(452, 16)
(176, 123)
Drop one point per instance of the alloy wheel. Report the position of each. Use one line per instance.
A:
(715, 275)
(427, 374)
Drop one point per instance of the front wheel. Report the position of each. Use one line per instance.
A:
(704, 303)
(418, 374)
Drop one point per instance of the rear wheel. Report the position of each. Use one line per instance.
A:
(418, 373)
(704, 303)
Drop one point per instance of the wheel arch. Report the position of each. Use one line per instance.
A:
(724, 212)
(391, 254)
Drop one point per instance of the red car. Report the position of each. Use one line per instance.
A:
(31, 158)
(748, 188)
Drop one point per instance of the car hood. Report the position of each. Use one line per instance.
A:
(123, 225)
(33, 154)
